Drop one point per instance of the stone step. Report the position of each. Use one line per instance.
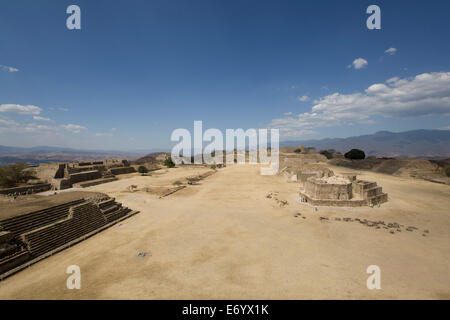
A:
(378, 199)
(26, 222)
(372, 192)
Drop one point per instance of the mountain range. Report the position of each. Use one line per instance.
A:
(45, 154)
(415, 143)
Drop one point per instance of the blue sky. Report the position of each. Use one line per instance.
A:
(137, 70)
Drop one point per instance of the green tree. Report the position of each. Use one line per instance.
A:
(169, 163)
(355, 154)
(142, 169)
(13, 174)
(447, 170)
(327, 154)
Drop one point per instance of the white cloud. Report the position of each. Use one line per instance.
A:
(425, 94)
(391, 51)
(113, 129)
(38, 118)
(303, 98)
(63, 109)
(74, 128)
(13, 127)
(103, 134)
(33, 127)
(358, 63)
(7, 123)
(17, 108)
(8, 69)
(391, 80)
(444, 128)
(287, 114)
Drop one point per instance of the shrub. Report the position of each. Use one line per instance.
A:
(142, 169)
(213, 166)
(447, 170)
(327, 154)
(169, 163)
(355, 154)
(13, 174)
(177, 183)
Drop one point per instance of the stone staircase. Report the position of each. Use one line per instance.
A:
(82, 219)
(112, 210)
(35, 235)
(26, 222)
(370, 192)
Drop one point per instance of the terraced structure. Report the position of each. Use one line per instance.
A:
(26, 238)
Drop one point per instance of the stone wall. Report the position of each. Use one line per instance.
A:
(318, 189)
(91, 183)
(85, 176)
(122, 170)
(47, 171)
(26, 189)
(334, 203)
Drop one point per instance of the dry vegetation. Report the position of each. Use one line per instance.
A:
(15, 174)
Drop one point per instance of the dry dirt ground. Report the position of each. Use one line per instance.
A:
(224, 239)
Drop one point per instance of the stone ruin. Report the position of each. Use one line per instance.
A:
(291, 161)
(30, 237)
(320, 186)
(82, 174)
(25, 190)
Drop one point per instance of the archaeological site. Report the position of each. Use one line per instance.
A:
(227, 154)
(147, 222)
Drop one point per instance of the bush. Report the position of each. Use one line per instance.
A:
(447, 170)
(327, 154)
(355, 154)
(213, 166)
(13, 174)
(142, 169)
(169, 163)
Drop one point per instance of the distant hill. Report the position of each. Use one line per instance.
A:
(44, 154)
(150, 158)
(416, 143)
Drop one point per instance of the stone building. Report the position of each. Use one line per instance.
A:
(325, 188)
